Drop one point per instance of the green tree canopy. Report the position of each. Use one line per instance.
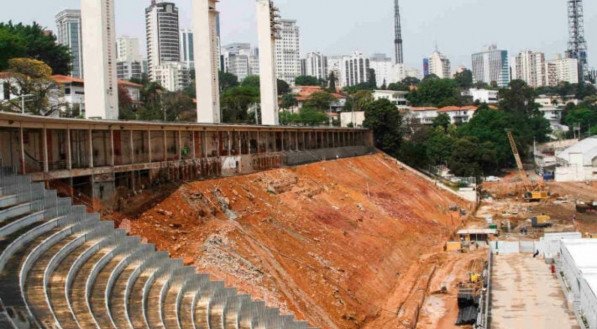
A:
(435, 92)
(32, 41)
(227, 80)
(236, 103)
(442, 120)
(385, 121)
(464, 79)
(288, 101)
(307, 80)
(320, 101)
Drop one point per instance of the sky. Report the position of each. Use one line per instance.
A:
(335, 27)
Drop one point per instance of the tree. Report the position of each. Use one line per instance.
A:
(283, 87)
(438, 146)
(442, 120)
(306, 80)
(178, 106)
(236, 103)
(288, 101)
(33, 79)
(312, 117)
(11, 46)
(470, 158)
(372, 78)
(464, 79)
(320, 101)
(125, 104)
(519, 98)
(584, 115)
(435, 92)
(251, 81)
(227, 80)
(33, 41)
(332, 80)
(385, 121)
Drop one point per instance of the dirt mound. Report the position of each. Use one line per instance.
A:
(331, 242)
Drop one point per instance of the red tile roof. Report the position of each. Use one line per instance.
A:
(64, 79)
(306, 91)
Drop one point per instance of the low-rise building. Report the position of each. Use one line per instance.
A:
(578, 163)
(483, 95)
(426, 115)
(396, 97)
(352, 119)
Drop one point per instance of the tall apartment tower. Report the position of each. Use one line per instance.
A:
(205, 35)
(531, 67)
(99, 59)
(128, 49)
(491, 65)
(162, 31)
(187, 51)
(69, 34)
(288, 56)
(577, 44)
(316, 65)
(269, 39)
(439, 65)
(398, 34)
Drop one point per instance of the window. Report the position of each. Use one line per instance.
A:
(6, 89)
(67, 91)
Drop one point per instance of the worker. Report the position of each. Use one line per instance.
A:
(536, 254)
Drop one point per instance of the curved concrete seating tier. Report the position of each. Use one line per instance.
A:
(61, 267)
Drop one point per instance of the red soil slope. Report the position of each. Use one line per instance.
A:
(329, 242)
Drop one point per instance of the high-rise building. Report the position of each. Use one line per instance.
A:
(240, 60)
(491, 65)
(530, 67)
(316, 65)
(398, 34)
(439, 65)
(384, 68)
(426, 71)
(187, 51)
(355, 69)
(288, 60)
(162, 30)
(562, 70)
(127, 70)
(69, 34)
(577, 44)
(335, 64)
(128, 49)
(174, 76)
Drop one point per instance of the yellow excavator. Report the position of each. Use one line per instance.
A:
(533, 193)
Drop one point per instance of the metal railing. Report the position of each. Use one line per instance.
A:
(484, 316)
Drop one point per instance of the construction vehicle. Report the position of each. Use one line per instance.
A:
(541, 221)
(532, 193)
(584, 207)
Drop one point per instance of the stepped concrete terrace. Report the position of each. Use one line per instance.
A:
(61, 267)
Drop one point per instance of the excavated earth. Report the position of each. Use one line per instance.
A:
(352, 243)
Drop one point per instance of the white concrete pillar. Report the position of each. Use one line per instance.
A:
(99, 59)
(267, 64)
(206, 61)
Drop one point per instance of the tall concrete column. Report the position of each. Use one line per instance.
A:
(99, 59)
(206, 61)
(267, 63)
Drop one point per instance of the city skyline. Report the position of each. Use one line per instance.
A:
(450, 25)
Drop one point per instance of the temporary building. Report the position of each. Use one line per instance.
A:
(577, 259)
(549, 244)
(588, 301)
(578, 162)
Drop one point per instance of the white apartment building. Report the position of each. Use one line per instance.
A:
(483, 95)
(426, 115)
(69, 34)
(491, 65)
(335, 64)
(439, 65)
(530, 67)
(128, 49)
(562, 70)
(385, 69)
(241, 60)
(129, 70)
(398, 98)
(316, 65)
(354, 69)
(162, 31)
(288, 57)
(174, 76)
(187, 51)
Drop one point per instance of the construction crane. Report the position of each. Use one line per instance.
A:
(532, 194)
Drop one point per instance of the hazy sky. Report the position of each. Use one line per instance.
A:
(458, 27)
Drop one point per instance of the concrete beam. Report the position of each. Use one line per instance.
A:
(267, 64)
(99, 59)
(206, 63)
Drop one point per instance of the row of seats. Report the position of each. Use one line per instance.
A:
(61, 267)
